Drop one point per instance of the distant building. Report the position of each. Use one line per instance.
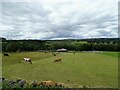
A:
(62, 50)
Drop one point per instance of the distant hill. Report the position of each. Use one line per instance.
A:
(90, 39)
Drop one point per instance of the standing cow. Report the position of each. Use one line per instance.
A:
(5, 54)
(58, 60)
(27, 60)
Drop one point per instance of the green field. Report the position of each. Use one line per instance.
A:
(83, 68)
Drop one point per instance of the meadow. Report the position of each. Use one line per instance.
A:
(89, 69)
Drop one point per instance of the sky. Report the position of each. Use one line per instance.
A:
(59, 19)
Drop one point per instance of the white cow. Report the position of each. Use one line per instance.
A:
(27, 60)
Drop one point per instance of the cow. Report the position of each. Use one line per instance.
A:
(5, 54)
(27, 60)
(57, 60)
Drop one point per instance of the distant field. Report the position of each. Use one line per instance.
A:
(114, 54)
(88, 69)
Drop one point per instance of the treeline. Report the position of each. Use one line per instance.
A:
(24, 45)
(100, 44)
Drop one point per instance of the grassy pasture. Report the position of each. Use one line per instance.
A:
(89, 69)
(113, 54)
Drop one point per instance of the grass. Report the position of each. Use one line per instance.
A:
(113, 54)
(83, 69)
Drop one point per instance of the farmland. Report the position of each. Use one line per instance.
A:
(89, 69)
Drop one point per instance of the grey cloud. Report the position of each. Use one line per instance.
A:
(58, 20)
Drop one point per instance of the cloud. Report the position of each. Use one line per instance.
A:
(66, 19)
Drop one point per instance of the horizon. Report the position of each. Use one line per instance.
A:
(59, 20)
(60, 39)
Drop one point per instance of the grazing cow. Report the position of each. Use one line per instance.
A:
(57, 60)
(27, 60)
(5, 54)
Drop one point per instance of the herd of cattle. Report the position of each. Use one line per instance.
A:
(27, 59)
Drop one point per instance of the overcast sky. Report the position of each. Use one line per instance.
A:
(59, 19)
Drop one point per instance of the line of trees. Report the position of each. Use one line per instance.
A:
(76, 45)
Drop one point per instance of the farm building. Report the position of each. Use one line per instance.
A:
(62, 50)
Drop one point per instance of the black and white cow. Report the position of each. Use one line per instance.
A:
(27, 60)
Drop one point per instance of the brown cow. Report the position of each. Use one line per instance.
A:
(58, 60)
